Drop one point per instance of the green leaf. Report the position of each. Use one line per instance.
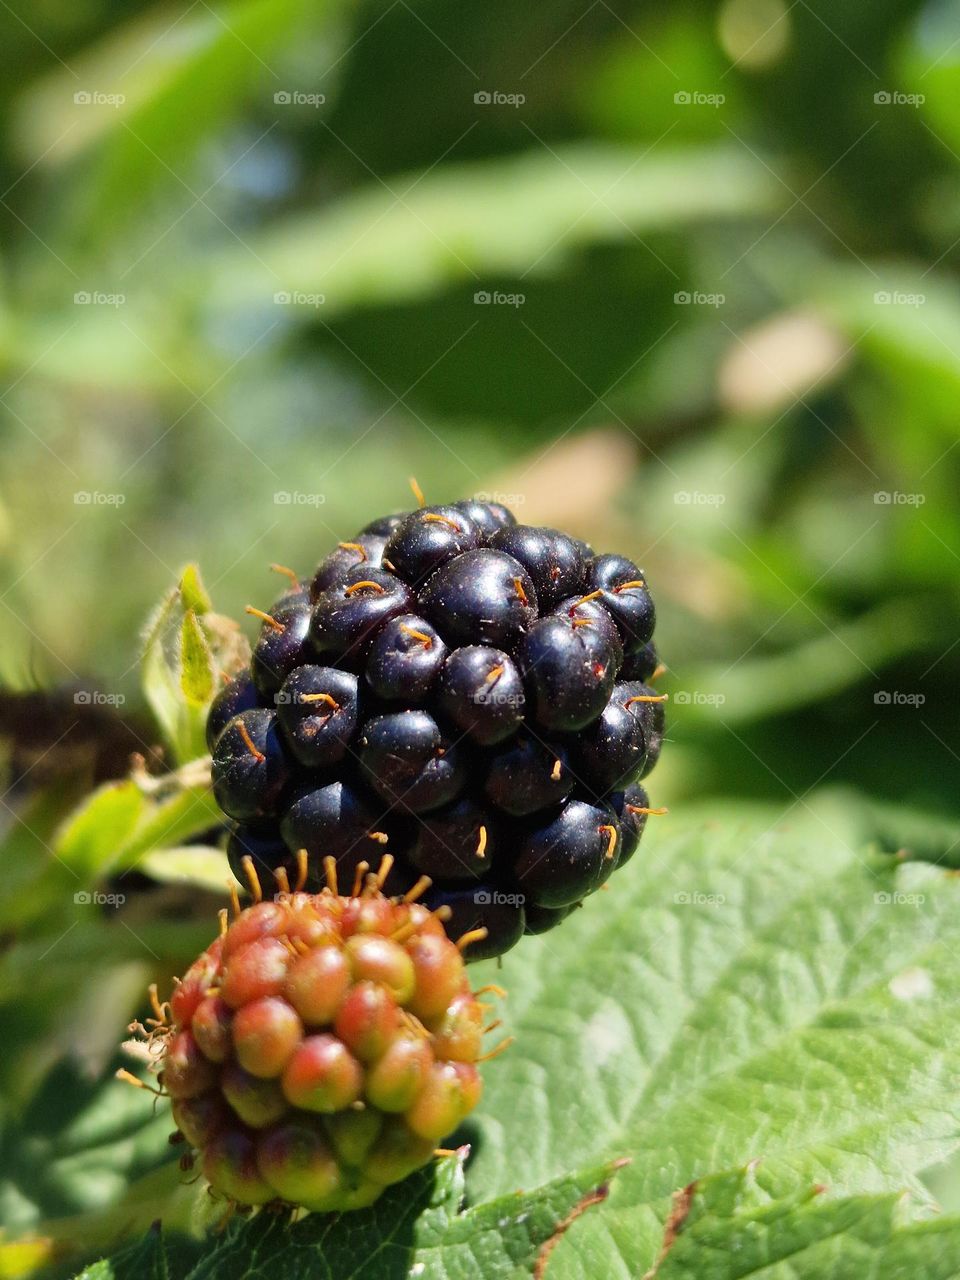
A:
(193, 864)
(145, 1259)
(503, 216)
(182, 660)
(175, 88)
(724, 1228)
(171, 821)
(415, 1229)
(92, 836)
(756, 985)
(192, 591)
(196, 662)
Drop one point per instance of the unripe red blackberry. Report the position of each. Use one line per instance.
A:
(470, 695)
(319, 1049)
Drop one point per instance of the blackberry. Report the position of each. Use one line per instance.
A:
(622, 588)
(346, 617)
(468, 695)
(528, 775)
(632, 807)
(238, 694)
(482, 908)
(427, 539)
(487, 516)
(455, 843)
(481, 597)
(409, 761)
(552, 559)
(318, 708)
(338, 820)
(615, 746)
(250, 766)
(405, 659)
(482, 693)
(364, 550)
(282, 644)
(320, 1048)
(568, 670)
(568, 856)
(262, 842)
(641, 665)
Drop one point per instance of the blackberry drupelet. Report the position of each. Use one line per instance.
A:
(469, 695)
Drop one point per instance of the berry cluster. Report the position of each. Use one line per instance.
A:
(465, 693)
(319, 1048)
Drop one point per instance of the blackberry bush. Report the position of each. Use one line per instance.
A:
(466, 693)
(320, 1048)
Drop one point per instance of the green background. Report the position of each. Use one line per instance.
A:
(246, 252)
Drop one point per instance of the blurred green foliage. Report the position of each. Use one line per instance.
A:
(184, 168)
(245, 253)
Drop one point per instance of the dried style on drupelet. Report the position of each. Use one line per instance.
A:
(471, 695)
(321, 1047)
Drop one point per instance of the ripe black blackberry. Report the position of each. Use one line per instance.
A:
(467, 694)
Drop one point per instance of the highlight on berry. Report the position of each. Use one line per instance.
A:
(471, 695)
